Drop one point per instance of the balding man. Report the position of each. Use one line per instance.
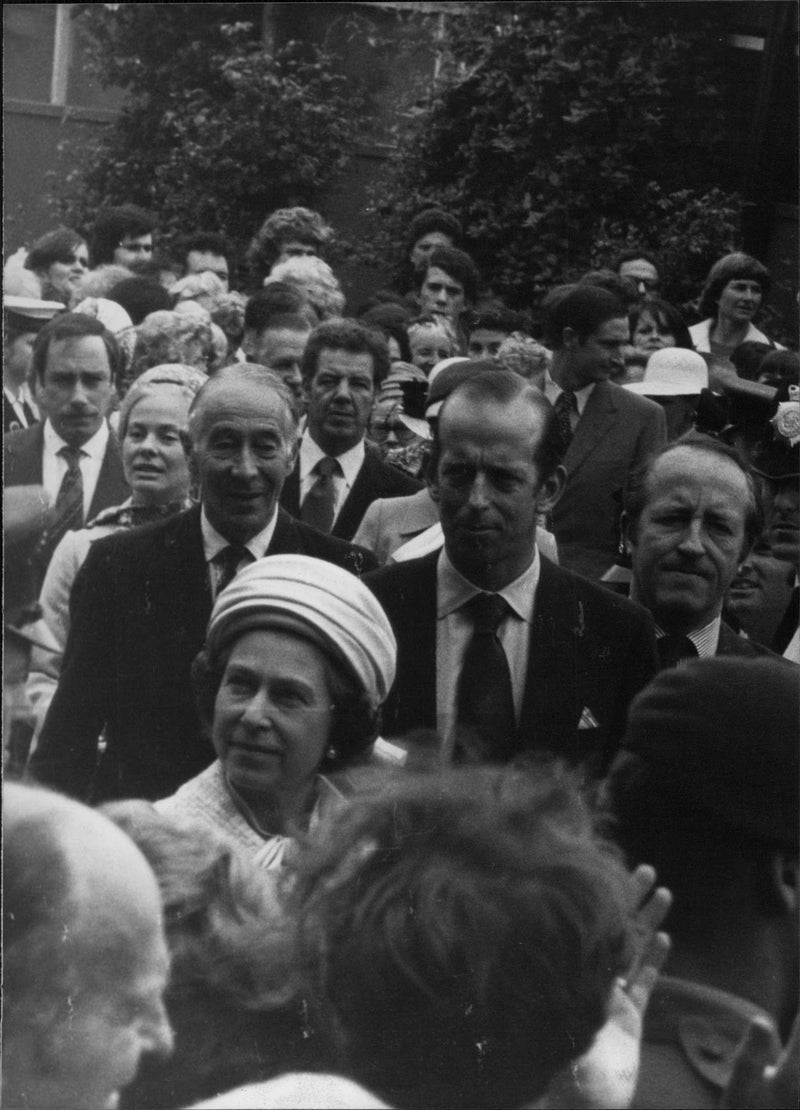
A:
(142, 600)
(85, 961)
(691, 517)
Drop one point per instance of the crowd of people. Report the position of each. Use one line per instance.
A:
(400, 699)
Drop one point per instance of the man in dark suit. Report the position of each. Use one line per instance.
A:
(691, 517)
(563, 658)
(73, 454)
(606, 431)
(337, 476)
(142, 600)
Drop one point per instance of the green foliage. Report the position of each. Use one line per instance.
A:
(215, 131)
(562, 132)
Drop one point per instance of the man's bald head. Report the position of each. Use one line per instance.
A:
(85, 959)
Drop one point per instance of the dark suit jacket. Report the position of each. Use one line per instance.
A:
(22, 466)
(590, 649)
(729, 643)
(614, 436)
(10, 419)
(139, 610)
(375, 479)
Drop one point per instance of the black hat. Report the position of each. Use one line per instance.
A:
(719, 738)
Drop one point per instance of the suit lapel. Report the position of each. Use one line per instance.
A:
(362, 494)
(595, 423)
(186, 583)
(290, 494)
(26, 457)
(111, 484)
(549, 703)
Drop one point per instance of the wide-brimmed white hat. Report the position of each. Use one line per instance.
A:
(672, 372)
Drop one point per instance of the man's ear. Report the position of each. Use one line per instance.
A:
(292, 456)
(628, 529)
(570, 339)
(783, 876)
(194, 473)
(551, 489)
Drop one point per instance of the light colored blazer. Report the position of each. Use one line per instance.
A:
(390, 522)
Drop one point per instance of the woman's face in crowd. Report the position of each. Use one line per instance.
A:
(63, 277)
(272, 715)
(740, 300)
(153, 454)
(650, 334)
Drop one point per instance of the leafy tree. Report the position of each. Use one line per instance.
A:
(562, 132)
(215, 131)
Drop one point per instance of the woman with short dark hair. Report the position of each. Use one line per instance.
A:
(732, 295)
(59, 259)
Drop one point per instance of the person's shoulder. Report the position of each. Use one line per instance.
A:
(23, 440)
(310, 541)
(731, 643)
(392, 481)
(632, 403)
(599, 597)
(394, 577)
(133, 543)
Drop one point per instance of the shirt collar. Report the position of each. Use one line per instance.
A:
(350, 461)
(454, 590)
(94, 448)
(552, 390)
(705, 639)
(213, 542)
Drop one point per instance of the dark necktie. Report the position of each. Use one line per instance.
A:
(486, 722)
(28, 415)
(69, 503)
(672, 650)
(317, 509)
(566, 404)
(229, 561)
(787, 625)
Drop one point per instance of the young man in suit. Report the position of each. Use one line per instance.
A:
(72, 454)
(499, 650)
(691, 516)
(607, 432)
(337, 477)
(141, 602)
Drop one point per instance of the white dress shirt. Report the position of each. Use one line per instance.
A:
(214, 543)
(350, 462)
(705, 639)
(552, 390)
(54, 466)
(454, 631)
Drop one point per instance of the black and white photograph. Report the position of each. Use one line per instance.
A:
(401, 556)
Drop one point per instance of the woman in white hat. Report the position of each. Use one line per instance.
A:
(298, 659)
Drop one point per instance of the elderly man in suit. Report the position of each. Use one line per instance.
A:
(141, 602)
(337, 476)
(691, 516)
(606, 431)
(73, 454)
(500, 650)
